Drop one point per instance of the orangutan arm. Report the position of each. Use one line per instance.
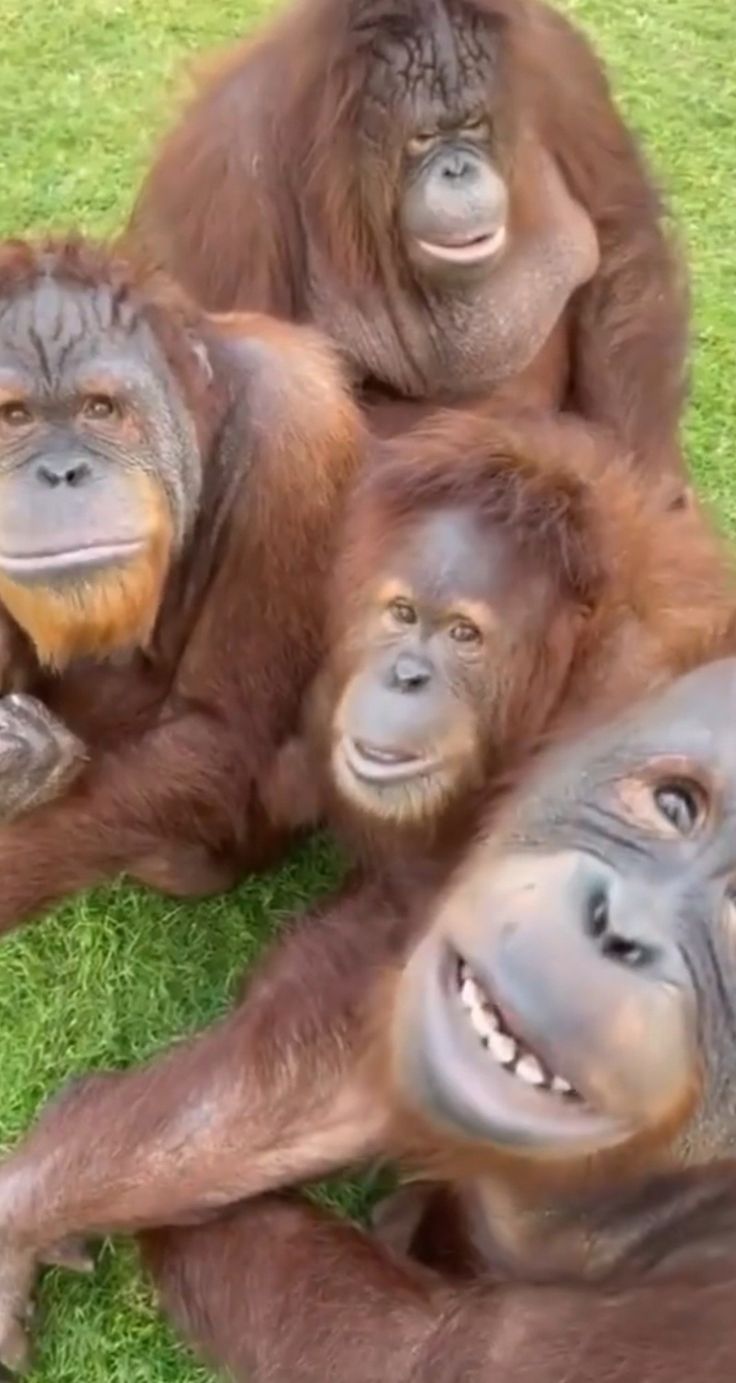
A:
(280, 1290)
(282, 1090)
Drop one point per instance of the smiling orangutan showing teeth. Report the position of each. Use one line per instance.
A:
(547, 1035)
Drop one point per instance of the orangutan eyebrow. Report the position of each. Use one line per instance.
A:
(111, 384)
(14, 388)
(393, 589)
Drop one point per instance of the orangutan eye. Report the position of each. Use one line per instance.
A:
(403, 612)
(464, 631)
(477, 126)
(15, 414)
(420, 143)
(681, 804)
(98, 407)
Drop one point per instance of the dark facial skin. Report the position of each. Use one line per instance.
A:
(412, 726)
(618, 868)
(454, 203)
(94, 441)
(99, 482)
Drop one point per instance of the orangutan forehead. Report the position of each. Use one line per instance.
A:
(440, 54)
(54, 328)
(447, 556)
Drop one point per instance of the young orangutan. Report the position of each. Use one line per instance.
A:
(495, 578)
(555, 1044)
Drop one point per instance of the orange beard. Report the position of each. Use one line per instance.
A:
(114, 609)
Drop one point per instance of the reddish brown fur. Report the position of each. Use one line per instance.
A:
(292, 1084)
(271, 144)
(180, 735)
(642, 592)
(279, 1290)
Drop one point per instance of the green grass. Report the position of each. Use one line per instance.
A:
(84, 85)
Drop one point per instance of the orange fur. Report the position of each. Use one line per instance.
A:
(114, 610)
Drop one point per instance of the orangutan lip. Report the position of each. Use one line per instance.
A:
(377, 765)
(383, 756)
(468, 252)
(507, 1049)
(97, 554)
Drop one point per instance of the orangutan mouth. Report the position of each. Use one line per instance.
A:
(468, 252)
(491, 1030)
(376, 764)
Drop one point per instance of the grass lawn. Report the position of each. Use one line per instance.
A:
(84, 84)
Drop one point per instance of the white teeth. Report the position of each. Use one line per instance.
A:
(502, 1047)
(482, 1022)
(487, 1023)
(529, 1069)
(470, 994)
(562, 1086)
